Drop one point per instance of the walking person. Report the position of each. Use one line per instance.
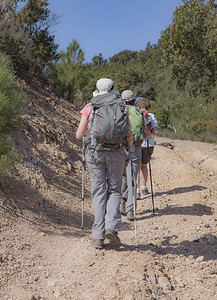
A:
(139, 131)
(147, 146)
(105, 159)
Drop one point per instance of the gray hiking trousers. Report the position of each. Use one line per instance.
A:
(106, 169)
(127, 191)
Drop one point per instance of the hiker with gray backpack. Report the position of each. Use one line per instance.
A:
(106, 120)
(133, 161)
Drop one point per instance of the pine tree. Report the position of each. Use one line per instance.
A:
(70, 75)
(11, 108)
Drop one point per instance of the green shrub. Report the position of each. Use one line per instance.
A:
(197, 128)
(11, 108)
(161, 113)
(7, 158)
(210, 135)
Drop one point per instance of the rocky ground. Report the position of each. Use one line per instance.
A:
(44, 253)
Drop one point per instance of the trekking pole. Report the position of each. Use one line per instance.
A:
(149, 162)
(134, 198)
(82, 191)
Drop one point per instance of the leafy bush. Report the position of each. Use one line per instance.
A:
(210, 134)
(7, 158)
(161, 113)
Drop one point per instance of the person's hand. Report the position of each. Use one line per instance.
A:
(132, 148)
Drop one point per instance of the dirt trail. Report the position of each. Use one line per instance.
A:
(177, 246)
(44, 254)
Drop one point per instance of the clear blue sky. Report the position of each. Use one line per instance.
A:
(110, 26)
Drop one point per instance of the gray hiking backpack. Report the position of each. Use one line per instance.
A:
(108, 125)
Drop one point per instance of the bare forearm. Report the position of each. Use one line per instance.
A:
(147, 132)
(155, 130)
(82, 127)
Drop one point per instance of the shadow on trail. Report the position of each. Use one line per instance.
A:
(204, 246)
(127, 225)
(196, 248)
(180, 190)
(47, 215)
(195, 210)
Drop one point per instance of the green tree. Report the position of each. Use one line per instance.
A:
(25, 36)
(71, 77)
(123, 57)
(12, 39)
(36, 20)
(11, 108)
(189, 46)
(98, 60)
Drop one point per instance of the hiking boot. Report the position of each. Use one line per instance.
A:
(130, 215)
(97, 243)
(145, 190)
(113, 237)
(122, 207)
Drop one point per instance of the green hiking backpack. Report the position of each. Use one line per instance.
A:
(109, 122)
(136, 121)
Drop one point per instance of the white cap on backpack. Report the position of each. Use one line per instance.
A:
(104, 85)
(128, 96)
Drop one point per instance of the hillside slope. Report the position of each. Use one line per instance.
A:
(44, 254)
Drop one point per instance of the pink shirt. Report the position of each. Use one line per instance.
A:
(86, 111)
